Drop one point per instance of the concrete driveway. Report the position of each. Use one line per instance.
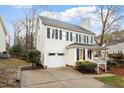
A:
(57, 78)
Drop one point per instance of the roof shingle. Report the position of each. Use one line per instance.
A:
(64, 25)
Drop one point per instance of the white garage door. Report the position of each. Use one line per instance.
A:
(56, 60)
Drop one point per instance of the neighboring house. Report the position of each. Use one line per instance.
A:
(3, 35)
(115, 46)
(63, 44)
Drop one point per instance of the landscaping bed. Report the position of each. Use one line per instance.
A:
(118, 71)
(8, 71)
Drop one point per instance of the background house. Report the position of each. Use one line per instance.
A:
(115, 46)
(3, 34)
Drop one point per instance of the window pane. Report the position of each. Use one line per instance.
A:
(76, 37)
(51, 54)
(63, 35)
(77, 54)
(53, 33)
(60, 34)
(67, 37)
(79, 38)
(56, 33)
(60, 54)
(84, 39)
(70, 36)
(87, 39)
(91, 39)
(48, 32)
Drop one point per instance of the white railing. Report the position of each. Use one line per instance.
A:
(101, 63)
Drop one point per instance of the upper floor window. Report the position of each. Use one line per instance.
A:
(67, 36)
(63, 35)
(60, 34)
(53, 33)
(87, 39)
(70, 36)
(48, 32)
(84, 38)
(91, 39)
(56, 33)
(79, 37)
(76, 37)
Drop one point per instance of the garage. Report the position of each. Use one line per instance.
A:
(56, 60)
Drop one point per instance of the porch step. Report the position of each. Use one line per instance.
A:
(101, 71)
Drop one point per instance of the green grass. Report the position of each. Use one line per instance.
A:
(112, 80)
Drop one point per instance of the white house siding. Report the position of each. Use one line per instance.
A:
(2, 39)
(55, 46)
(116, 48)
(49, 45)
(41, 40)
(71, 56)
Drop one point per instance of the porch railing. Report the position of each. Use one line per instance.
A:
(101, 63)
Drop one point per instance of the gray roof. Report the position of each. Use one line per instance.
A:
(114, 42)
(64, 25)
(86, 46)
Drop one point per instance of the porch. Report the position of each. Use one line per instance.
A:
(87, 52)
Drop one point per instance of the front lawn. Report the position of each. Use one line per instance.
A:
(8, 69)
(112, 80)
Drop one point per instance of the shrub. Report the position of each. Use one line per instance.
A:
(16, 50)
(86, 66)
(79, 62)
(34, 57)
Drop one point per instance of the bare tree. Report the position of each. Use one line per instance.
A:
(110, 16)
(29, 23)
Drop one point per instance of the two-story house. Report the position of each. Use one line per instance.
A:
(3, 35)
(62, 43)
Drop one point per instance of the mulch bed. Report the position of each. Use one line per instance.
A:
(117, 71)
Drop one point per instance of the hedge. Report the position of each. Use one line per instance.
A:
(86, 66)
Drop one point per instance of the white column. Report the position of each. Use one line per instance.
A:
(86, 54)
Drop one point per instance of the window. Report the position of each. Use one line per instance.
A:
(89, 54)
(48, 32)
(63, 35)
(87, 39)
(83, 54)
(52, 54)
(77, 54)
(53, 33)
(56, 36)
(60, 54)
(76, 37)
(60, 34)
(79, 38)
(84, 39)
(70, 36)
(91, 39)
(67, 36)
